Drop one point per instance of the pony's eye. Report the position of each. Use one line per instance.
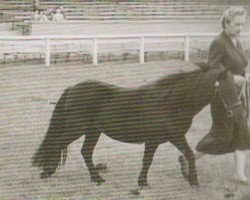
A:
(217, 84)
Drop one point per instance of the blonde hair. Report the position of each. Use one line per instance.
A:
(230, 13)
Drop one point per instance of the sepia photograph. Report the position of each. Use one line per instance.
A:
(125, 99)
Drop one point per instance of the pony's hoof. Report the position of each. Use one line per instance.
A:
(143, 185)
(195, 187)
(194, 183)
(98, 180)
(102, 167)
(135, 192)
(45, 175)
(184, 166)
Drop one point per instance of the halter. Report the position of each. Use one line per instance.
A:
(228, 108)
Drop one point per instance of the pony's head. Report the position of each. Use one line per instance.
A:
(227, 92)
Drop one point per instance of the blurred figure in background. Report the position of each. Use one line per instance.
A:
(58, 14)
(35, 15)
(42, 17)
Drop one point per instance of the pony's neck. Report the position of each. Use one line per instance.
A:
(206, 89)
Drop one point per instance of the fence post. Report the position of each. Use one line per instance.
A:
(47, 52)
(186, 56)
(95, 53)
(142, 50)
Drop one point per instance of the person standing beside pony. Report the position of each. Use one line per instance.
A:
(225, 136)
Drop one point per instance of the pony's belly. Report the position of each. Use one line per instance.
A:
(139, 130)
(134, 131)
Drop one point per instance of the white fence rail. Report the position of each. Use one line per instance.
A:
(95, 44)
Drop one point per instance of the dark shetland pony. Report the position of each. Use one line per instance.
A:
(152, 114)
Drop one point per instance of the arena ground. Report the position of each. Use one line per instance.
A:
(25, 95)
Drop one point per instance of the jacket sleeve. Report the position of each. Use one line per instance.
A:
(215, 54)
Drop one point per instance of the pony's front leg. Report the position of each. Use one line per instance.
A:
(89, 144)
(183, 146)
(150, 149)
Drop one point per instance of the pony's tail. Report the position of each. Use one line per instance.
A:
(49, 158)
(53, 150)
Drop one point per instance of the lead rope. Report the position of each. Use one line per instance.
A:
(244, 93)
(229, 112)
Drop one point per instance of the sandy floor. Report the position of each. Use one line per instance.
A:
(25, 96)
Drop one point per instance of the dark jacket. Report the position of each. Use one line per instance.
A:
(223, 52)
(225, 136)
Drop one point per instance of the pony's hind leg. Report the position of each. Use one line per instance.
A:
(91, 139)
(183, 146)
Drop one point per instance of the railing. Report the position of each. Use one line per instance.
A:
(95, 41)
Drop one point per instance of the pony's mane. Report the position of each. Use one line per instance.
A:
(182, 74)
(185, 84)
